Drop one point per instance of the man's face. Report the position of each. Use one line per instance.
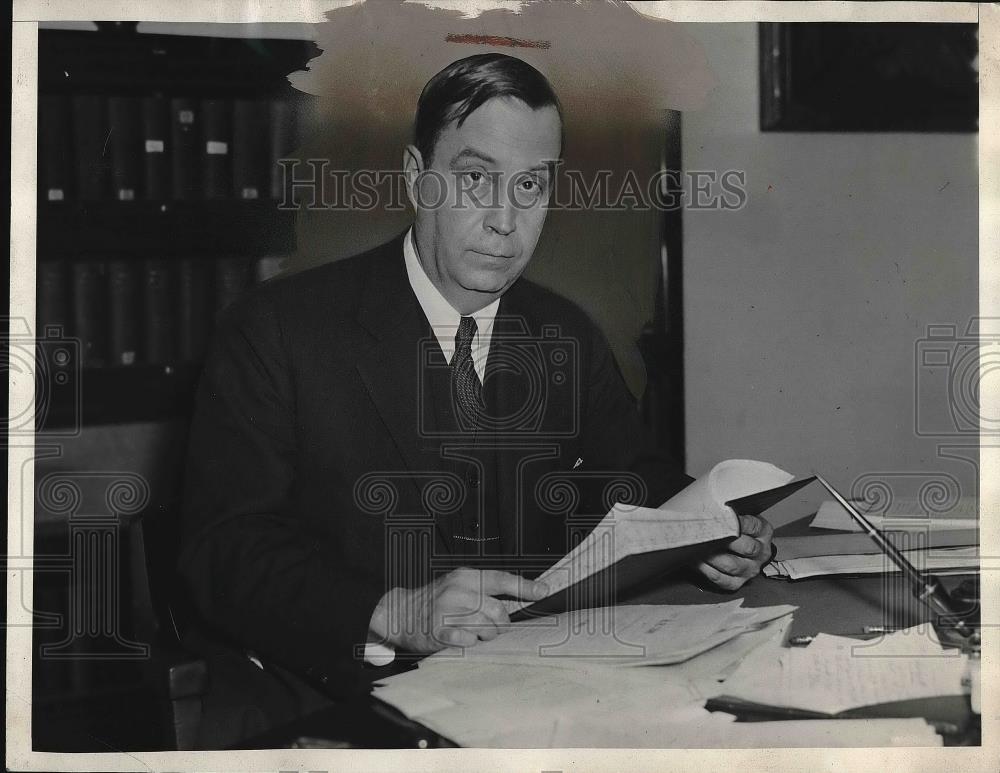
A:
(480, 204)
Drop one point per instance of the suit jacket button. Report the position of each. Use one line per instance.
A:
(324, 679)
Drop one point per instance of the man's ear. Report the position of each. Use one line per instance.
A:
(413, 165)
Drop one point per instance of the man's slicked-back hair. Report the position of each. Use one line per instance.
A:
(463, 86)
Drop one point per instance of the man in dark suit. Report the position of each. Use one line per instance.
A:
(384, 447)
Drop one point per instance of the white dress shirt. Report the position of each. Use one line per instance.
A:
(442, 317)
(444, 321)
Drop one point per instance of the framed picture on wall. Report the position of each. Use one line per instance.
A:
(844, 77)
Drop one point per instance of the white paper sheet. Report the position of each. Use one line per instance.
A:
(525, 703)
(903, 514)
(595, 706)
(840, 544)
(731, 479)
(941, 561)
(835, 673)
(917, 641)
(628, 635)
(627, 531)
(707, 671)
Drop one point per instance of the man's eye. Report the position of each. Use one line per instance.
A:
(531, 187)
(475, 177)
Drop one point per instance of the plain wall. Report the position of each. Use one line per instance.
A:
(803, 309)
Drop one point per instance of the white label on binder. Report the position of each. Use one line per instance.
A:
(249, 193)
(55, 194)
(126, 194)
(154, 146)
(216, 148)
(186, 116)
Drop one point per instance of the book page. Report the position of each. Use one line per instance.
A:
(627, 531)
(731, 479)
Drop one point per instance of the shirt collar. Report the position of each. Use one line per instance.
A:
(441, 315)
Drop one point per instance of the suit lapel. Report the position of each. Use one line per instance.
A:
(393, 369)
(507, 392)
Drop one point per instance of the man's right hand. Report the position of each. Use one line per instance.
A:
(456, 610)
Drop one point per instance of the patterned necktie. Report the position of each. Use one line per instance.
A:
(468, 391)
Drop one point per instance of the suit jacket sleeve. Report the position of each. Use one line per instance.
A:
(615, 439)
(255, 573)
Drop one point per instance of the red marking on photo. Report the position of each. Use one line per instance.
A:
(496, 40)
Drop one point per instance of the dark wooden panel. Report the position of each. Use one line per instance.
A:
(842, 77)
(662, 340)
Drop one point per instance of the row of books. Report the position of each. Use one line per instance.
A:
(156, 311)
(155, 148)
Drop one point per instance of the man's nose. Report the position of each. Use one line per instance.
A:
(501, 217)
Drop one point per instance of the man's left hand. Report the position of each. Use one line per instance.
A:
(743, 557)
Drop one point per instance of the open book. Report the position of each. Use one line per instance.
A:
(632, 543)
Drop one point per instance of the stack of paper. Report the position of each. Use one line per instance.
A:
(696, 516)
(473, 704)
(519, 697)
(628, 635)
(593, 706)
(579, 703)
(707, 672)
(941, 551)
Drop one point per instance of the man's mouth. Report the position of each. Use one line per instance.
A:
(493, 255)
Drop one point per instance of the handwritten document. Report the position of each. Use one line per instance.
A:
(836, 673)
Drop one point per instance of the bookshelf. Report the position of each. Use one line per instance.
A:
(144, 223)
(141, 274)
